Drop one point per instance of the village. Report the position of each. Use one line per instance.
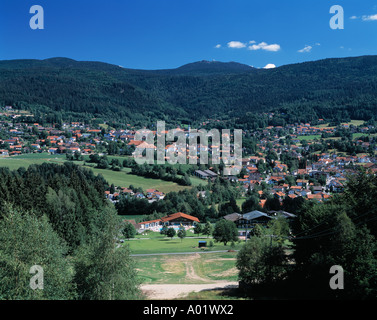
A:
(313, 177)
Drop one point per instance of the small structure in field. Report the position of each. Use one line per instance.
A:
(202, 244)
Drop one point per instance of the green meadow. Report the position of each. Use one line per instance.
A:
(25, 160)
(187, 269)
(124, 179)
(121, 178)
(153, 242)
(356, 123)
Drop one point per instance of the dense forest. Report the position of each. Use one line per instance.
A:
(331, 89)
(56, 217)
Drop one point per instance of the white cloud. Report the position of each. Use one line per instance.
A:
(236, 44)
(370, 18)
(305, 49)
(264, 46)
(354, 18)
(269, 66)
(308, 48)
(254, 47)
(218, 46)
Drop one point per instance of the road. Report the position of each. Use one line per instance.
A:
(176, 291)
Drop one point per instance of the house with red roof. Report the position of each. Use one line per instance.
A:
(173, 220)
(178, 219)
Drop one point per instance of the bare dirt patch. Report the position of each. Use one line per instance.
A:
(226, 273)
(188, 266)
(177, 291)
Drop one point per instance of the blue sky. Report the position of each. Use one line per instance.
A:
(157, 34)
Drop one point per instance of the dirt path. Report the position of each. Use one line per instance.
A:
(176, 291)
(190, 271)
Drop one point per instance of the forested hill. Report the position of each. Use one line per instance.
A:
(331, 89)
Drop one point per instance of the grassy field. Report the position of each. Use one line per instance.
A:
(157, 235)
(358, 135)
(356, 122)
(124, 179)
(157, 243)
(240, 202)
(118, 178)
(353, 122)
(25, 160)
(187, 269)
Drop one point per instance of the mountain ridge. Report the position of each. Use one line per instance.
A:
(327, 88)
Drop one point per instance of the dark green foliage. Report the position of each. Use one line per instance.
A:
(186, 201)
(56, 216)
(331, 89)
(104, 272)
(129, 231)
(166, 172)
(229, 207)
(170, 232)
(259, 262)
(339, 232)
(225, 231)
(198, 229)
(69, 195)
(207, 229)
(164, 230)
(181, 233)
(27, 240)
(251, 203)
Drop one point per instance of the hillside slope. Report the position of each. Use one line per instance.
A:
(330, 88)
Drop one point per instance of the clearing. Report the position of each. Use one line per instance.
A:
(174, 277)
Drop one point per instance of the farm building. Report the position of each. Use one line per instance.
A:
(205, 174)
(178, 219)
(233, 216)
(172, 220)
(253, 217)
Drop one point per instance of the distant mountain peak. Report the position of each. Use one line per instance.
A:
(206, 66)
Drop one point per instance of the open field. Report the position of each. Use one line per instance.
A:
(187, 269)
(118, 178)
(240, 202)
(356, 123)
(359, 134)
(124, 179)
(156, 235)
(25, 160)
(195, 276)
(157, 243)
